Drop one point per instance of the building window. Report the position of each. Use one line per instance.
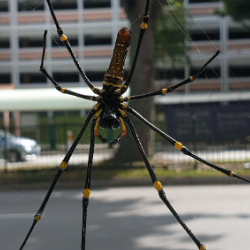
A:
(64, 4)
(4, 43)
(97, 40)
(207, 72)
(238, 34)
(32, 78)
(93, 4)
(95, 76)
(239, 71)
(5, 78)
(68, 77)
(4, 7)
(29, 42)
(55, 41)
(30, 5)
(204, 36)
(164, 74)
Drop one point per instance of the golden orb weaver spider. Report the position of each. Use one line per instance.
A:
(111, 112)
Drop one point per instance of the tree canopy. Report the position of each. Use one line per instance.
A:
(172, 34)
(238, 10)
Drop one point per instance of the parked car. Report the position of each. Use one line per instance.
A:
(14, 148)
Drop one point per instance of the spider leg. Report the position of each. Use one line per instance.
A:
(168, 90)
(158, 185)
(97, 123)
(143, 28)
(64, 39)
(58, 174)
(183, 149)
(87, 186)
(57, 86)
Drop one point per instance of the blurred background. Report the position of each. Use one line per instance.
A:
(210, 116)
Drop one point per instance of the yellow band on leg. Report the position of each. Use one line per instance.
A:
(38, 217)
(144, 26)
(158, 185)
(63, 165)
(87, 192)
(203, 247)
(64, 38)
(178, 145)
(232, 174)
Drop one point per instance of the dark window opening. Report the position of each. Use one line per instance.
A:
(28, 42)
(207, 73)
(64, 5)
(205, 36)
(5, 43)
(238, 34)
(57, 42)
(5, 78)
(69, 77)
(95, 76)
(30, 5)
(97, 40)
(239, 71)
(4, 7)
(93, 4)
(163, 74)
(30, 78)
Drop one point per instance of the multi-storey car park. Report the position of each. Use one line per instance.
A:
(92, 28)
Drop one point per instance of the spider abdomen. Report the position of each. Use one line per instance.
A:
(115, 72)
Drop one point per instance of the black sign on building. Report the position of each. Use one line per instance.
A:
(209, 121)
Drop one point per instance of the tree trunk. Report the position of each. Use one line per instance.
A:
(143, 81)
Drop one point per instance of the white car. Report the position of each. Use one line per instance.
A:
(15, 148)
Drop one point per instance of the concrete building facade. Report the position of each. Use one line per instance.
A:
(92, 27)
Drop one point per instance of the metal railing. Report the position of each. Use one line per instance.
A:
(55, 140)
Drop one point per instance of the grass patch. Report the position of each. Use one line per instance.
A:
(115, 176)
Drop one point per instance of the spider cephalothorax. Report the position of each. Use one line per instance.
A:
(110, 115)
(111, 112)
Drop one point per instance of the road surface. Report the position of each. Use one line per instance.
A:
(131, 218)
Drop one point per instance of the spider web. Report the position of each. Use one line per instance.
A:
(186, 32)
(36, 4)
(173, 15)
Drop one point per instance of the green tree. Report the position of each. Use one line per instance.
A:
(238, 10)
(172, 34)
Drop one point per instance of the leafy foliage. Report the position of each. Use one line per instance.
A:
(238, 10)
(172, 33)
